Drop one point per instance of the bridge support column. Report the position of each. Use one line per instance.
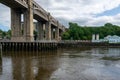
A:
(60, 34)
(40, 31)
(48, 30)
(52, 33)
(16, 25)
(57, 34)
(28, 23)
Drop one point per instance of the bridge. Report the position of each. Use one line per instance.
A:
(24, 11)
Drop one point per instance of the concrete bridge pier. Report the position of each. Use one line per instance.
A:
(60, 34)
(48, 30)
(40, 31)
(16, 25)
(57, 33)
(28, 22)
(52, 33)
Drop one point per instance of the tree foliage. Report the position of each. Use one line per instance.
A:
(5, 34)
(77, 32)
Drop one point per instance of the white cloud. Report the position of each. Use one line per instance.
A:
(4, 15)
(104, 19)
(81, 11)
(79, 7)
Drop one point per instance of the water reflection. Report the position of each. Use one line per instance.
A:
(0, 65)
(31, 65)
(112, 54)
(88, 65)
(62, 64)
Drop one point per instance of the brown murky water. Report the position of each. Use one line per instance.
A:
(63, 64)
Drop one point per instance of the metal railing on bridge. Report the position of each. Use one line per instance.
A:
(22, 2)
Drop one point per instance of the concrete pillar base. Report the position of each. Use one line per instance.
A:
(29, 38)
(57, 34)
(17, 39)
(22, 39)
(40, 31)
(48, 30)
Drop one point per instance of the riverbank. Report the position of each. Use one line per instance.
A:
(43, 46)
(77, 43)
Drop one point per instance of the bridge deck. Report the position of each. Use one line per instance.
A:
(14, 3)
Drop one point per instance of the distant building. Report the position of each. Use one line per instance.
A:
(95, 38)
(112, 39)
(109, 39)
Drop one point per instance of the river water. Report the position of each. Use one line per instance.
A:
(61, 64)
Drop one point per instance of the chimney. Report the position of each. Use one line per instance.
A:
(97, 36)
(93, 37)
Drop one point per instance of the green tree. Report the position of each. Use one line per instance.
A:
(77, 32)
(8, 34)
(65, 36)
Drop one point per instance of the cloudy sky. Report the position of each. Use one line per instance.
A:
(83, 12)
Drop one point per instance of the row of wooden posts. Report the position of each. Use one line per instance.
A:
(43, 46)
(29, 46)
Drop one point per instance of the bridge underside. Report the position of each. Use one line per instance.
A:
(38, 18)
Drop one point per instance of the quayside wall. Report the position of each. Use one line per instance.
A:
(46, 46)
(28, 46)
(76, 43)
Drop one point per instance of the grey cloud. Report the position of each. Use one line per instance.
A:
(98, 23)
(61, 8)
(4, 8)
(86, 2)
(63, 21)
(5, 15)
(45, 4)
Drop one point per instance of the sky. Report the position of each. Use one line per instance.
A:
(83, 12)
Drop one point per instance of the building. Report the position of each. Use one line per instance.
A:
(95, 38)
(112, 39)
(109, 39)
